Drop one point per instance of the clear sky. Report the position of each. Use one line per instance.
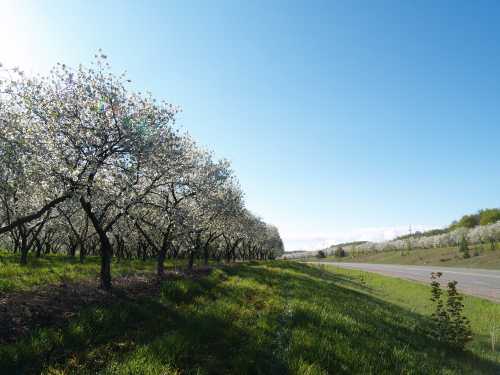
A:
(343, 120)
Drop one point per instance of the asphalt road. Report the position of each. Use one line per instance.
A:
(478, 282)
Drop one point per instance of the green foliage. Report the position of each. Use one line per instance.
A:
(180, 290)
(467, 221)
(340, 252)
(440, 316)
(482, 217)
(489, 216)
(459, 326)
(321, 254)
(463, 247)
(450, 325)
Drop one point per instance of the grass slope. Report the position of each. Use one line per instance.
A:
(448, 256)
(259, 318)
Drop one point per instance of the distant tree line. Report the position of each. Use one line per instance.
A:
(91, 168)
(486, 235)
(482, 217)
(481, 228)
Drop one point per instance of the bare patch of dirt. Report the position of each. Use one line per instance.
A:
(53, 305)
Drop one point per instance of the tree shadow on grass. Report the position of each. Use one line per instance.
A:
(296, 273)
(250, 319)
(379, 335)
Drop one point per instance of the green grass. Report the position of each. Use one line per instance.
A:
(260, 318)
(448, 256)
(52, 269)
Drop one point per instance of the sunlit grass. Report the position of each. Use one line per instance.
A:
(51, 269)
(415, 297)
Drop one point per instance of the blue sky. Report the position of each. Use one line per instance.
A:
(343, 120)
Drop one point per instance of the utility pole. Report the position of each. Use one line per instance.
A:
(409, 237)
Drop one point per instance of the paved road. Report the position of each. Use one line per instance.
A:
(479, 282)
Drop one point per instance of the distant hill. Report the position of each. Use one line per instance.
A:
(482, 217)
(328, 251)
(353, 243)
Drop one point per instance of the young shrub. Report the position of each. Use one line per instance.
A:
(450, 325)
(493, 245)
(439, 316)
(463, 247)
(408, 245)
(459, 326)
(340, 252)
(321, 254)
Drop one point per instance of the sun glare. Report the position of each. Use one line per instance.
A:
(15, 44)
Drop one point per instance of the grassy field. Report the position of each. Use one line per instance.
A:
(449, 256)
(258, 318)
(52, 269)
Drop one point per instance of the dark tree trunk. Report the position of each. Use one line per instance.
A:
(160, 266)
(82, 253)
(16, 236)
(106, 248)
(24, 251)
(25, 244)
(119, 247)
(72, 249)
(106, 265)
(39, 246)
(191, 260)
(206, 247)
(17, 245)
(205, 254)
